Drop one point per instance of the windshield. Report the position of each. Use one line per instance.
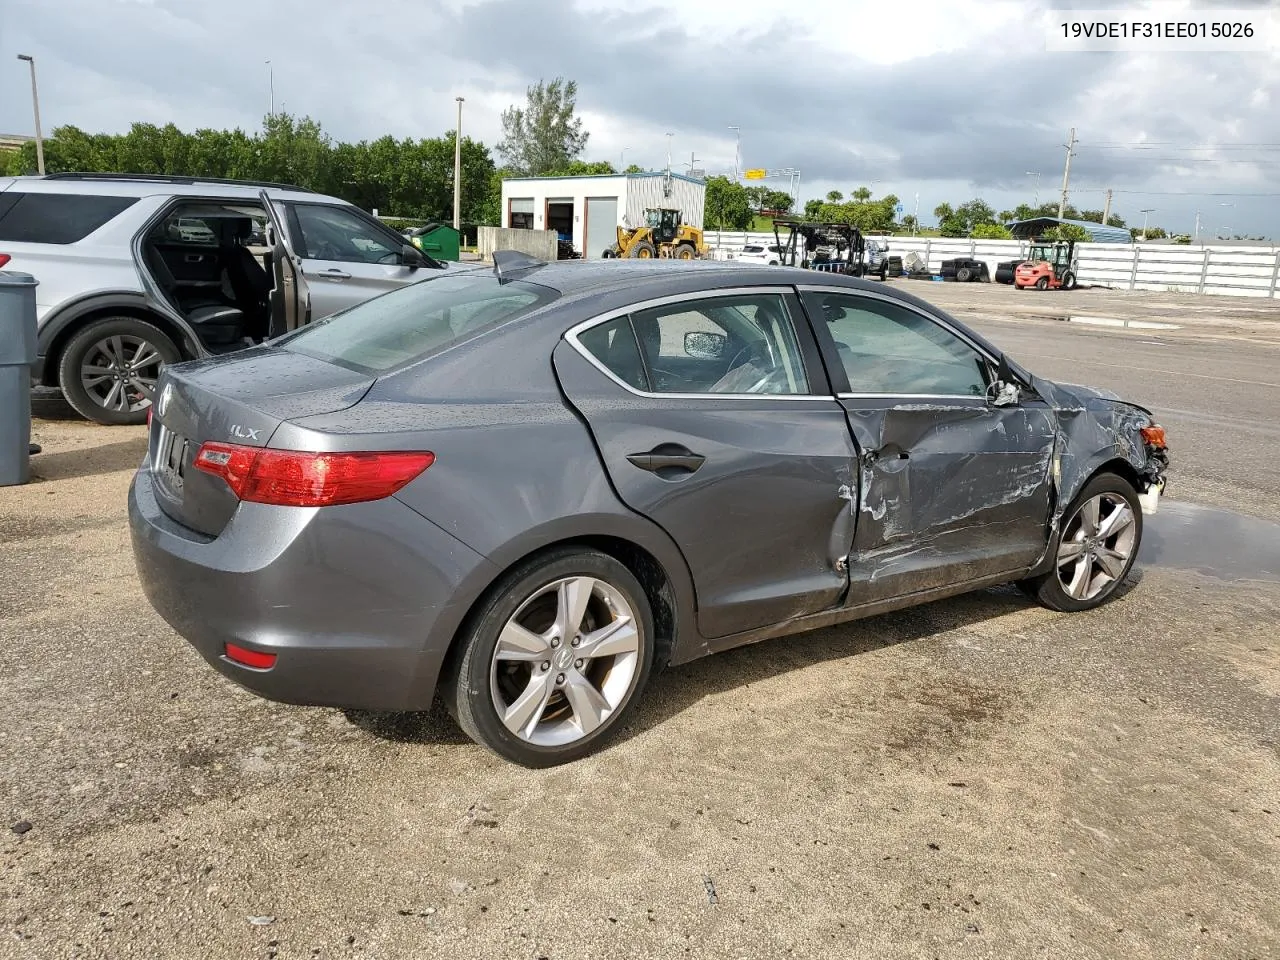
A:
(397, 328)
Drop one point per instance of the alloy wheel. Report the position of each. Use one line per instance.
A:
(1096, 546)
(119, 372)
(565, 661)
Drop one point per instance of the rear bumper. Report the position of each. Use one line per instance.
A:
(359, 603)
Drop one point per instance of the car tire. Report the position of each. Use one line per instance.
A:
(1042, 283)
(557, 719)
(685, 251)
(121, 339)
(1068, 281)
(644, 250)
(963, 275)
(1109, 551)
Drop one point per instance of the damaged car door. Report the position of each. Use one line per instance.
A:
(714, 419)
(954, 478)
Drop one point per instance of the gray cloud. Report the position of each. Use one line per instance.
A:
(972, 120)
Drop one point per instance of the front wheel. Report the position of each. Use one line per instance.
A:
(1068, 281)
(1042, 283)
(554, 659)
(962, 275)
(686, 251)
(109, 370)
(643, 250)
(1100, 536)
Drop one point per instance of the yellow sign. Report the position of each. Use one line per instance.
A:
(755, 174)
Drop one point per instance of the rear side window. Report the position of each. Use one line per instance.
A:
(56, 217)
(407, 324)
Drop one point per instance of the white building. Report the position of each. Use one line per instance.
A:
(588, 210)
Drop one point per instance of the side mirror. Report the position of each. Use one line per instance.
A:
(1005, 392)
(704, 345)
(411, 256)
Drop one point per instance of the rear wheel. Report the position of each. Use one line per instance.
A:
(1101, 534)
(644, 250)
(1042, 283)
(109, 370)
(685, 251)
(554, 659)
(963, 275)
(1068, 281)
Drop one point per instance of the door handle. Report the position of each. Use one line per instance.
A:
(667, 457)
(885, 453)
(333, 275)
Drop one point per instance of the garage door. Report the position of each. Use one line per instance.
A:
(602, 226)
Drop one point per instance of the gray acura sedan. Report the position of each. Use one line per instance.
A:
(526, 488)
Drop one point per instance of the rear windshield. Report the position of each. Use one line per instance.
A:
(55, 217)
(405, 325)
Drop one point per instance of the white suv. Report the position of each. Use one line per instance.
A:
(755, 253)
(136, 271)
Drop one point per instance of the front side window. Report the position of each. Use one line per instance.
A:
(889, 349)
(410, 323)
(331, 232)
(55, 217)
(720, 345)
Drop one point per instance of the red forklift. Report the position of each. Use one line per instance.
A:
(1050, 265)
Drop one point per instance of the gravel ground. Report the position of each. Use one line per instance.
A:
(974, 778)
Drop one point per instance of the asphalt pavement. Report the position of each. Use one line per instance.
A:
(975, 778)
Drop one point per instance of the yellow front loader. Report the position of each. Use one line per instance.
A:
(663, 235)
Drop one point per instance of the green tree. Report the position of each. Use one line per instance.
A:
(1153, 233)
(756, 197)
(778, 200)
(633, 168)
(862, 194)
(834, 196)
(544, 134)
(1068, 231)
(583, 168)
(991, 231)
(909, 223)
(813, 209)
(728, 206)
(960, 221)
(1095, 216)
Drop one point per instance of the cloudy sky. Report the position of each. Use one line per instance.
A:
(947, 99)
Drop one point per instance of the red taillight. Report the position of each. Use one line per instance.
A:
(151, 408)
(4, 259)
(249, 658)
(296, 478)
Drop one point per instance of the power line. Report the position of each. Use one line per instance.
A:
(1181, 193)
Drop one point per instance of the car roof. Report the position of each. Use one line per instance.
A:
(147, 185)
(647, 277)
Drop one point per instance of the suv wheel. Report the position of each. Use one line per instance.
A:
(109, 370)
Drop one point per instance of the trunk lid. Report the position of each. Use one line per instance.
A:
(242, 399)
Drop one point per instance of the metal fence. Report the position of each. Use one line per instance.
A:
(1222, 269)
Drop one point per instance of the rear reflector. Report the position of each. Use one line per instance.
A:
(250, 658)
(296, 478)
(4, 259)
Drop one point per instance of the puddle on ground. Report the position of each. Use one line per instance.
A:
(1121, 322)
(1216, 543)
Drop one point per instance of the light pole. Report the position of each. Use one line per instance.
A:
(1197, 235)
(271, 88)
(1144, 213)
(668, 153)
(622, 160)
(35, 107)
(1226, 229)
(737, 152)
(457, 170)
(1033, 173)
(915, 217)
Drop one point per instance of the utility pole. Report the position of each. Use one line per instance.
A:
(1066, 175)
(622, 160)
(1033, 173)
(668, 153)
(271, 89)
(1144, 212)
(693, 162)
(457, 170)
(1106, 210)
(35, 106)
(1197, 226)
(737, 152)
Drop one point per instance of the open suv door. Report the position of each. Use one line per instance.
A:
(290, 298)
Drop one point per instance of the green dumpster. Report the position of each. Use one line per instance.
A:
(437, 240)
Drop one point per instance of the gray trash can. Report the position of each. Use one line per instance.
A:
(17, 354)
